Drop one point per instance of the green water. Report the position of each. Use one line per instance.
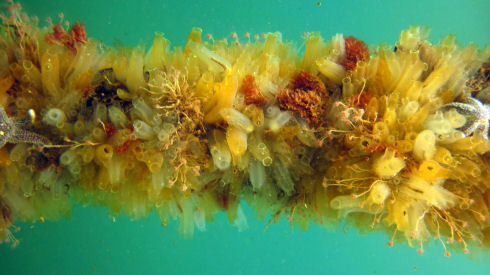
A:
(91, 243)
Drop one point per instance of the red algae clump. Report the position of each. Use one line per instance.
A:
(305, 95)
(77, 35)
(355, 50)
(252, 93)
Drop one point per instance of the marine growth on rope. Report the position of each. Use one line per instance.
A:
(392, 139)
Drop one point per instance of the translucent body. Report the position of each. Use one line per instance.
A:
(425, 145)
(387, 165)
(55, 117)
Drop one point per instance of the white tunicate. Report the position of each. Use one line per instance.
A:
(219, 150)
(455, 119)
(256, 173)
(55, 117)
(221, 158)
(143, 130)
(117, 117)
(101, 112)
(143, 110)
(271, 111)
(187, 219)
(165, 132)
(425, 145)
(163, 135)
(156, 120)
(237, 119)
(338, 50)
(200, 219)
(277, 122)
(438, 124)
(283, 179)
(267, 161)
(68, 157)
(241, 219)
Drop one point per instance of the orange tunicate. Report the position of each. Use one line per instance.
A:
(355, 50)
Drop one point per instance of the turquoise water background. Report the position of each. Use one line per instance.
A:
(91, 243)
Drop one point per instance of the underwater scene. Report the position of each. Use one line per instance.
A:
(244, 137)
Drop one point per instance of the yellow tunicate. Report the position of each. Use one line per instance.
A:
(5, 84)
(404, 146)
(159, 51)
(223, 98)
(436, 80)
(430, 170)
(468, 168)
(19, 153)
(32, 73)
(389, 117)
(380, 191)
(134, 78)
(314, 49)
(204, 87)
(86, 153)
(103, 154)
(387, 165)
(372, 109)
(50, 72)
(155, 162)
(4, 157)
(345, 202)
(347, 87)
(79, 127)
(431, 191)
(381, 130)
(443, 156)
(237, 141)
(255, 113)
(398, 214)
(98, 134)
